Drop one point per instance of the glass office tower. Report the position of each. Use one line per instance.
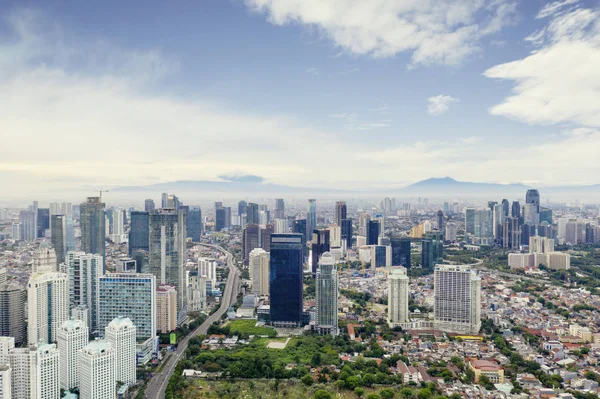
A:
(139, 232)
(285, 280)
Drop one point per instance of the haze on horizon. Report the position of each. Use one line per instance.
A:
(299, 93)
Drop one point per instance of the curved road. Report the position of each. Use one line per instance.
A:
(157, 385)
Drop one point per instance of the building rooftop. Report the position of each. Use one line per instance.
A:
(119, 323)
(71, 325)
(485, 365)
(98, 346)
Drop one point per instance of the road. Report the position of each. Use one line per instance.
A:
(157, 385)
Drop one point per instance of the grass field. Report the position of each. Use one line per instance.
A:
(249, 327)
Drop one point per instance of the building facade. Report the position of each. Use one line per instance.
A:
(121, 334)
(47, 306)
(327, 296)
(285, 279)
(457, 299)
(72, 335)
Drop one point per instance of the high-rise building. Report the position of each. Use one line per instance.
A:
(373, 230)
(340, 212)
(311, 218)
(167, 251)
(5, 381)
(47, 305)
(299, 227)
(427, 256)
(457, 299)
(27, 218)
(252, 214)
(98, 370)
(484, 232)
(58, 236)
(122, 334)
(265, 237)
(166, 309)
(470, 220)
(320, 244)
(7, 344)
(242, 205)
(285, 279)
(512, 233)
(326, 289)
(440, 220)
(381, 255)
(259, 271)
(128, 295)
(43, 221)
(118, 223)
(533, 197)
(250, 240)
(220, 218)
(84, 272)
(347, 231)
(541, 245)
(149, 205)
(398, 291)
(451, 231)
(401, 252)
(163, 200)
(139, 231)
(515, 210)
(196, 289)
(72, 335)
(44, 259)
(194, 223)
(15, 231)
(93, 226)
(12, 311)
(35, 372)
(279, 208)
(530, 214)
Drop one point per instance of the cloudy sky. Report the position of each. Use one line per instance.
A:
(319, 93)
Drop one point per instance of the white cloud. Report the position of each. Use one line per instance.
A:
(559, 82)
(434, 32)
(312, 71)
(440, 104)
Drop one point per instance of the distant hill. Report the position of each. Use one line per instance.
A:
(447, 186)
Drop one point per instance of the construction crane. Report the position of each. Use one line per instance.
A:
(100, 193)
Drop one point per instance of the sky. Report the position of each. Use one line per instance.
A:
(347, 94)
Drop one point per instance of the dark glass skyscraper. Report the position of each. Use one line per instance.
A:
(401, 252)
(515, 209)
(252, 214)
(194, 223)
(340, 212)
(12, 311)
(43, 221)
(372, 232)
(250, 240)
(265, 237)
(347, 231)
(311, 218)
(433, 249)
(285, 280)
(440, 221)
(533, 197)
(320, 245)
(139, 231)
(58, 237)
(92, 223)
(242, 205)
(220, 218)
(279, 208)
(149, 205)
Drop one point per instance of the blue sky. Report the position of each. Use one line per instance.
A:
(326, 93)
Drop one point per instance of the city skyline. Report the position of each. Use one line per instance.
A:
(483, 92)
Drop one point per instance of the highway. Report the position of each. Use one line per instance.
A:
(157, 385)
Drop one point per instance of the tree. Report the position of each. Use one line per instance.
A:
(406, 393)
(373, 396)
(322, 394)
(424, 393)
(307, 380)
(360, 392)
(387, 393)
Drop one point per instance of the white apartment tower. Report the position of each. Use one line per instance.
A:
(35, 372)
(97, 371)
(457, 299)
(44, 260)
(398, 292)
(5, 381)
(121, 333)
(84, 272)
(166, 308)
(327, 295)
(48, 305)
(73, 335)
(259, 271)
(7, 344)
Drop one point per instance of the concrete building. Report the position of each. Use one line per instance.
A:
(259, 271)
(121, 333)
(73, 335)
(457, 299)
(5, 381)
(7, 344)
(48, 305)
(44, 259)
(12, 311)
(327, 296)
(451, 231)
(35, 373)
(540, 245)
(491, 370)
(398, 313)
(166, 309)
(97, 370)
(84, 271)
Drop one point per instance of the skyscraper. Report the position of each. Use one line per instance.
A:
(533, 197)
(311, 218)
(512, 233)
(128, 295)
(401, 252)
(27, 218)
(320, 244)
(252, 215)
(265, 237)
(457, 299)
(194, 223)
(149, 205)
(279, 208)
(484, 232)
(43, 221)
(44, 259)
(373, 230)
(398, 291)
(451, 231)
(72, 336)
(139, 232)
(259, 271)
(242, 205)
(163, 200)
(340, 212)
(427, 254)
(35, 371)
(93, 228)
(5, 381)
(167, 250)
(12, 311)
(505, 208)
(166, 309)
(327, 296)
(58, 236)
(470, 220)
(515, 210)
(347, 232)
(47, 305)
(250, 240)
(98, 371)
(84, 272)
(285, 279)
(122, 334)
(220, 218)
(440, 220)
